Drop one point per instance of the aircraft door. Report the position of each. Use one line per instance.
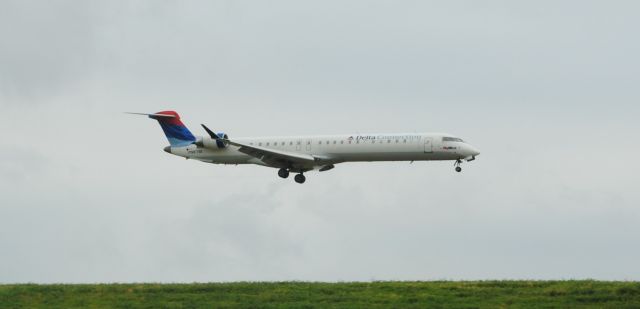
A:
(428, 144)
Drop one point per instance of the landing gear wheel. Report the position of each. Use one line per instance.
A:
(283, 172)
(300, 178)
(457, 165)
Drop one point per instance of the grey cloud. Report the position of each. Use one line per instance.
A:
(44, 47)
(544, 89)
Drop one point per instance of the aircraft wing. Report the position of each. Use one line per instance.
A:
(273, 156)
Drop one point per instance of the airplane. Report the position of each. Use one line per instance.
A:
(300, 154)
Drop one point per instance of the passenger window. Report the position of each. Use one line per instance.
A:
(397, 141)
(290, 143)
(260, 144)
(267, 143)
(341, 142)
(327, 142)
(388, 141)
(319, 142)
(334, 142)
(404, 141)
(298, 143)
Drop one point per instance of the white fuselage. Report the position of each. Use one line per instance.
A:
(332, 149)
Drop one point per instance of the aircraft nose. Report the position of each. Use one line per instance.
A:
(473, 150)
(167, 149)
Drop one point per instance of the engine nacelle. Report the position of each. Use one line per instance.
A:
(210, 143)
(220, 143)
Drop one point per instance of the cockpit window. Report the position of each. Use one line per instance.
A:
(452, 139)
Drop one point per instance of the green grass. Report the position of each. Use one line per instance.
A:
(442, 294)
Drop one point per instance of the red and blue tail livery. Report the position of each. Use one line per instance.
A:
(176, 132)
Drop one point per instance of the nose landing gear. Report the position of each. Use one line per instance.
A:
(457, 165)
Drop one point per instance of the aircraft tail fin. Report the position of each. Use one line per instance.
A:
(175, 131)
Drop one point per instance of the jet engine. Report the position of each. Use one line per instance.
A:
(221, 143)
(207, 142)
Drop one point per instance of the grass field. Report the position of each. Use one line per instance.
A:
(444, 294)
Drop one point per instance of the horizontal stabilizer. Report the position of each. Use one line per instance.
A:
(153, 116)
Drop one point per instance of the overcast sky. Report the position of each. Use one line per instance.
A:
(549, 91)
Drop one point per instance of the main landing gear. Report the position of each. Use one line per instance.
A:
(284, 173)
(457, 165)
(300, 178)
